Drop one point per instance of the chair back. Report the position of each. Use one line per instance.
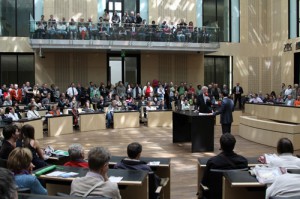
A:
(215, 182)
(153, 183)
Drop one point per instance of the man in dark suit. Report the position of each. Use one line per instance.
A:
(237, 92)
(226, 160)
(203, 101)
(226, 110)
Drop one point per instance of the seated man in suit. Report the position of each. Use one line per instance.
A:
(96, 182)
(133, 162)
(76, 154)
(226, 160)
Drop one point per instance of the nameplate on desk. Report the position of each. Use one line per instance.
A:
(154, 163)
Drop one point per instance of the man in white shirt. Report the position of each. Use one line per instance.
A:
(286, 185)
(72, 91)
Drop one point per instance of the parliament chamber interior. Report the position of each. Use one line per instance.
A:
(150, 99)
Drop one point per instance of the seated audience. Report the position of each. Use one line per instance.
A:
(32, 113)
(185, 105)
(286, 185)
(98, 159)
(255, 99)
(19, 162)
(7, 101)
(76, 155)
(289, 101)
(88, 108)
(285, 157)
(133, 162)
(14, 116)
(11, 135)
(8, 188)
(34, 146)
(226, 160)
(54, 111)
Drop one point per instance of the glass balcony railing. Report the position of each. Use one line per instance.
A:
(122, 31)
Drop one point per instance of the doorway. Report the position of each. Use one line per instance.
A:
(296, 68)
(124, 68)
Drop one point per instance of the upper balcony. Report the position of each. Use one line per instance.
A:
(106, 36)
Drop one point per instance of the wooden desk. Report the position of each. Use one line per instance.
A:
(189, 126)
(201, 166)
(135, 182)
(163, 170)
(92, 121)
(126, 119)
(60, 125)
(37, 125)
(160, 118)
(240, 184)
(289, 114)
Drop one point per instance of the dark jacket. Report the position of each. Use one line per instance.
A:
(226, 109)
(226, 161)
(204, 107)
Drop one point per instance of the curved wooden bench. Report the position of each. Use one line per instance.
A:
(268, 132)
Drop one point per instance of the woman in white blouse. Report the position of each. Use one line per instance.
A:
(32, 113)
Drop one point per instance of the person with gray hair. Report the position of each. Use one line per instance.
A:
(8, 188)
(96, 182)
(203, 101)
(76, 154)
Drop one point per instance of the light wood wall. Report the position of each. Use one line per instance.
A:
(71, 9)
(62, 68)
(175, 67)
(259, 63)
(172, 11)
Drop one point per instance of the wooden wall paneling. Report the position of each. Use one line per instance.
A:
(165, 68)
(80, 68)
(276, 74)
(62, 70)
(253, 77)
(180, 68)
(266, 73)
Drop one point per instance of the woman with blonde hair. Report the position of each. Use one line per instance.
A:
(19, 162)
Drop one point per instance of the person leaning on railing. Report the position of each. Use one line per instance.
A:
(73, 29)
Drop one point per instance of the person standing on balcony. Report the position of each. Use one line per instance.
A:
(106, 19)
(51, 27)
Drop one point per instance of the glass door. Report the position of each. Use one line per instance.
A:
(124, 68)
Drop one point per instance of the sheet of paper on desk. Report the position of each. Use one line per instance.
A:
(154, 163)
(115, 179)
(62, 174)
(270, 157)
(69, 174)
(55, 173)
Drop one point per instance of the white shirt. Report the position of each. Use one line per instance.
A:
(286, 185)
(285, 160)
(71, 90)
(33, 114)
(14, 116)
